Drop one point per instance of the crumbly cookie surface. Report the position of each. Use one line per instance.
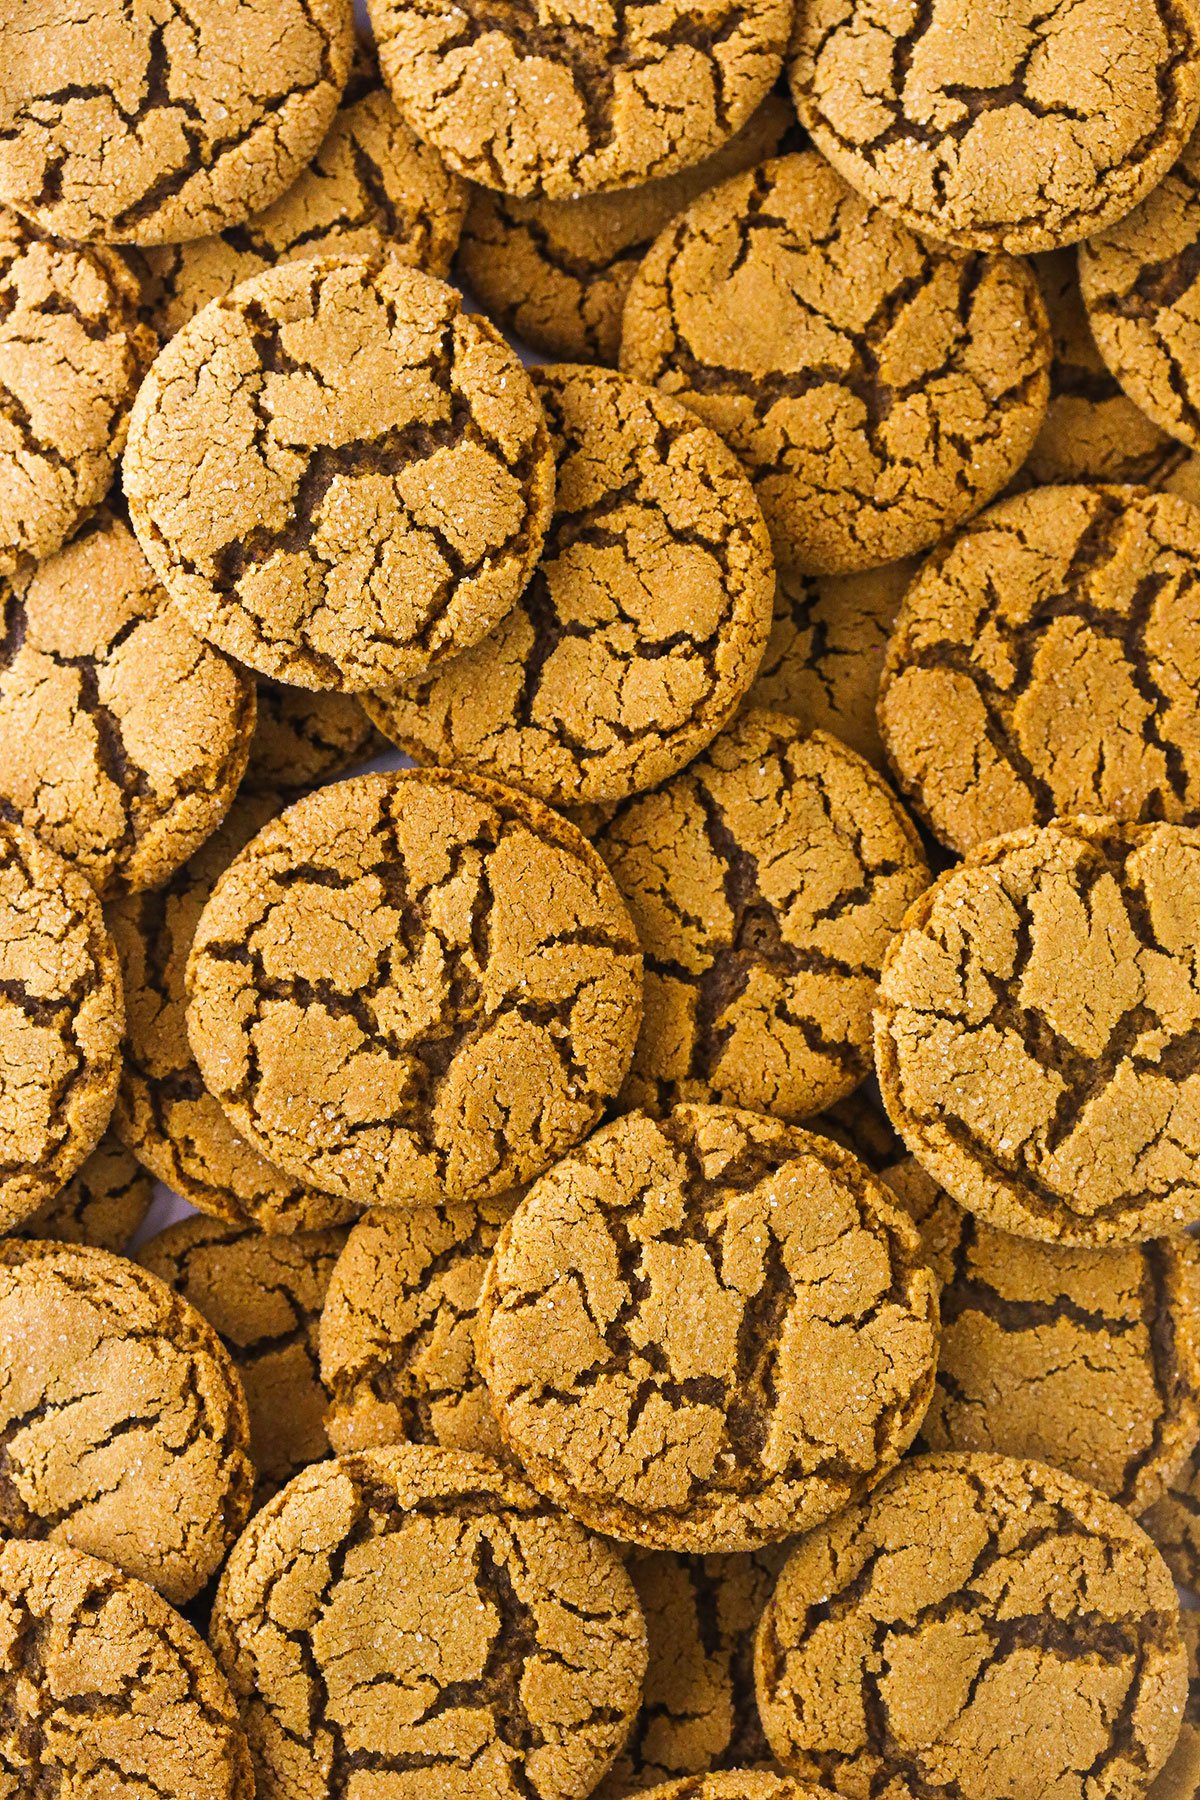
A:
(1180, 1780)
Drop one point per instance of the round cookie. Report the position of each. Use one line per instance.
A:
(126, 737)
(439, 1615)
(766, 882)
(579, 100)
(414, 988)
(879, 389)
(1180, 1780)
(303, 738)
(339, 474)
(103, 1203)
(1037, 1026)
(61, 1015)
(1174, 1523)
(123, 1424)
(398, 1330)
(1010, 127)
(104, 1689)
(148, 125)
(708, 1332)
(1086, 1359)
(1045, 663)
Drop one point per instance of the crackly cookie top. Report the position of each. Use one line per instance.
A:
(1036, 1035)
(103, 1203)
(1180, 1780)
(61, 1015)
(1009, 126)
(146, 124)
(707, 1332)
(106, 1689)
(582, 98)
(339, 474)
(738, 1784)
(413, 988)
(979, 1626)
(422, 1610)
(302, 738)
(766, 881)
(122, 1421)
(642, 626)
(1086, 1359)
(879, 388)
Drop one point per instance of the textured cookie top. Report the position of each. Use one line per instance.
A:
(1180, 1780)
(413, 988)
(979, 1626)
(122, 1421)
(642, 626)
(147, 125)
(339, 474)
(301, 739)
(103, 1204)
(107, 1689)
(708, 1332)
(1036, 1033)
(61, 1015)
(792, 316)
(766, 881)
(580, 98)
(738, 1784)
(1174, 1522)
(416, 1609)
(1007, 126)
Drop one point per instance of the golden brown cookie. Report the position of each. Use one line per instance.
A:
(398, 1330)
(582, 99)
(1047, 662)
(644, 622)
(339, 474)
(980, 1626)
(708, 1332)
(1001, 127)
(766, 881)
(878, 388)
(1180, 1780)
(738, 1784)
(124, 735)
(860, 1124)
(1037, 1035)
(444, 1629)
(303, 738)
(105, 1690)
(103, 1203)
(1174, 1523)
(61, 1015)
(414, 988)
(149, 124)
(122, 1420)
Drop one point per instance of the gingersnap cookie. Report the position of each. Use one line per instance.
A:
(439, 1615)
(103, 1203)
(414, 988)
(707, 1332)
(263, 1295)
(1042, 664)
(859, 1123)
(1174, 1522)
(398, 1330)
(340, 475)
(123, 1423)
(878, 388)
(147, 125)
(556, 272)
(737, 1784)
(1180, 1780)
(104, 1689)
(766, 882)
(302, 738)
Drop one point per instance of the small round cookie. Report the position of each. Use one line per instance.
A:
(739, 1784)
(398, 1330)
(878, 388)
(979, 1626)
(766, 882)
(1180, 1780)
(1036, 1032)
(580, 100)
(860, 1124)
(123, 1424)
(148, 125)
(302, 739)
(105, 1690)
(102, 1205)
(414, 988)
(1174, 1523)
(439, 1615)
(1046, 662)
(61, 1015)
(708, 1332)
(339, 474)
(1007, 127)
(644, 622)
(125, 736)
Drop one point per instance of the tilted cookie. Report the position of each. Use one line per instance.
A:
(302, 738)
(103, 1203)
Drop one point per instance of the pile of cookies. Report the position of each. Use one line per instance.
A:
(686, 1281)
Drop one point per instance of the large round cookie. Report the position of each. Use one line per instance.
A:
(879, 388)
(339, 474)
(103, 1204)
